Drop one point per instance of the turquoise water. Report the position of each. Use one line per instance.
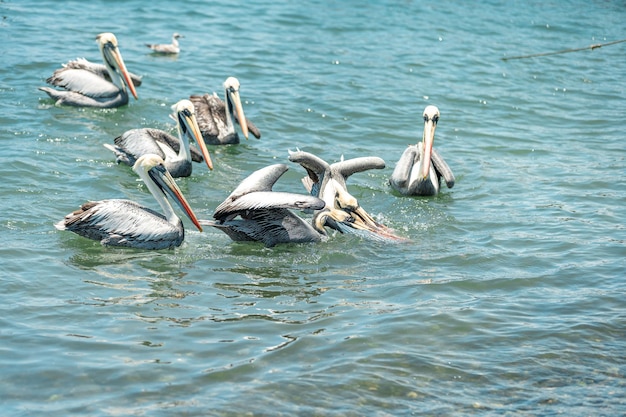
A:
(509, 299)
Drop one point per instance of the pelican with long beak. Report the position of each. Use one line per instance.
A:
(86, 84)
(128, 224)
(253, 212)
(342, 211)
(420, 168)
(216, 117)
(176, 152)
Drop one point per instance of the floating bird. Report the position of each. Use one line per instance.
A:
(176, 153)
(263, 214)
(126, 223)
(87, 84)
(342, 211)
(420, 168)
(215, 117)
(171, 48)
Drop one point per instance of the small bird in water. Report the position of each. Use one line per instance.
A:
(128, 224)
(176, 152)
(253, 212)
(216, 117)
(167, 49)
(342, 211)
(87, 84)
(420, 168)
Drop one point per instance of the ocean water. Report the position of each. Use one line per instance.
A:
(508, 300)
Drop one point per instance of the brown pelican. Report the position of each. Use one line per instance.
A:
(87, 84)
(171, 48)
(342, 211)
(175, 152)
(420, 168)
(264, 214)
(126, 223)
(215, 117)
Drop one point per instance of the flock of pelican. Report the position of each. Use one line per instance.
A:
(253, 211)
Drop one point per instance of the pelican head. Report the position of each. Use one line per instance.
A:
(177, 36)
(347, 216)
(431, 117)
(233, 103)
(151, 169)
(185, 116)
(107, 42)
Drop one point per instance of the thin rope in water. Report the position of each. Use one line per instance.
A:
(594, 46)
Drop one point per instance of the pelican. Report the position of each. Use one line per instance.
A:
(342, 211)
(215, 117)
(126, 223)
(264, 214)
(176, 152)
(420, 168)
(87, 84)
(171, 48)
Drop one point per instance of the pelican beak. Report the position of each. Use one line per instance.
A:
(165, 181)
(358, 221)
(349, 217)
(427, 140)
(114, 57)
(191, 128)
(241, 118)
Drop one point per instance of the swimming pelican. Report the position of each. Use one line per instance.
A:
(216, 124)
(420, 168)
(171, 48)
(87, 84)
(342, 211)
(264, 214)
(136, 142)
(126, 223)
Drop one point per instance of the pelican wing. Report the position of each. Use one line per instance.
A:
(402, 171)
(99, 69)
(315, 167)
(442, 168)
(266, 201)
(268, 226)
(352, 166)
(260, 180)
(84, 82)
(210, 114)
(137, 142)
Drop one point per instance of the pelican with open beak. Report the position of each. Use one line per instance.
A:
(86, 84)
(342, 211)
(216, 117)
(128, 224)
(176, 152)
(420, 168)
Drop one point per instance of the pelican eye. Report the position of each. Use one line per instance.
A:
(187, 113)
(435, 118)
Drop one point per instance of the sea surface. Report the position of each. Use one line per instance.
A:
(509, 299)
